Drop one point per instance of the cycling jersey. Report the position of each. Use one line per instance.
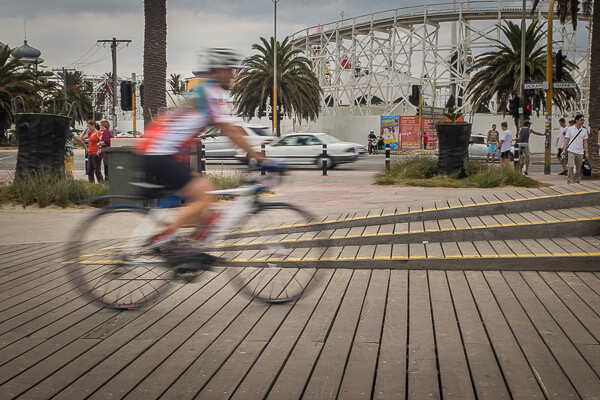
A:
(174, 133)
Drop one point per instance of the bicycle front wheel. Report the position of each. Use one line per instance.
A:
(124, 275)
(276, 271)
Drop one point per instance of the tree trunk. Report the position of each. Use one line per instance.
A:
(155, 57)
(594, 106)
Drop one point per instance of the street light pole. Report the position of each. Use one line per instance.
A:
(547, 154)
(275, 128)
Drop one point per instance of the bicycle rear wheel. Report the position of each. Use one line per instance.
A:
(125, 275)
(278, 271)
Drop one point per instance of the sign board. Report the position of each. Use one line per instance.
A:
(564, 85)
(534, 85)
(469, 59)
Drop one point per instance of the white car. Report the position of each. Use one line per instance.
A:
(478, 147)
(219, 146)
(307, 148)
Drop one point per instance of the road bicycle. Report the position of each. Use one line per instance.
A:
(130, 274)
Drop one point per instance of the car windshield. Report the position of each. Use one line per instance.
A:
(477, 140)
(329, 139)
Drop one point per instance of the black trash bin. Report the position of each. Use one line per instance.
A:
(41, 143)
(123, 168)
(453, 145)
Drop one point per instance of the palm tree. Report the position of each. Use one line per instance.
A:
(13, 83)
(568, 9)
(155, 57)
(176, 83)
(299, 90)
(79, 94)
(496, 73)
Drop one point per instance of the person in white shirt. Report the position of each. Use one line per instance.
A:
(576, 147)
(560, 142)
(505, 144)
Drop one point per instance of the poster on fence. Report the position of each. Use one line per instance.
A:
(390, 127)
(409, 132)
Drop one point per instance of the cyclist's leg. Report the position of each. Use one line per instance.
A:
(198, 199)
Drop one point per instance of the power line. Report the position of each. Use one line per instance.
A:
(114, 42)
(84, 54)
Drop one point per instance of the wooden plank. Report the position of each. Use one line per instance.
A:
(431, 226)
(453, 368)
(577, 333)
(445, 224)
(475, 222)
(356, 231)
(371, 230)
(517, 373)
(200, 327)
(111, 342)
(314, 253)
(434, 250)
(535, 247)
(401, 227)
(486, 374)
(422, 365)
(503, 220)
(386, 229)
(549, 374)
(460, 223)
(416, 251)
(468, 250)
(264, 372)
(390, 380)
(570, 361)
(366, 252)
(531, 217)
(451, 250)
(517, 219)
(591, 280)
(349, 252)
(552, 247)
(297, 369)
(400, 251)
(383, 252)
(489, 221)
(591, 298)
(357, 382)
(416, 226)
(518, 248)
(501, 248)
(326, 377)
(340, 233)
(484, 248)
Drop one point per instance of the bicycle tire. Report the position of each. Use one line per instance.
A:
(124, 276)
(275, 274)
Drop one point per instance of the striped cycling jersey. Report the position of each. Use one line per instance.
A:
(174, 133)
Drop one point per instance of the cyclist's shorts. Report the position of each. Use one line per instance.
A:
(524, 149)
(505, 155)
(165, 170)
(492, 148)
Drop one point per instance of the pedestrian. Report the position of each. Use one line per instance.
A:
(106, 136)
(94, 137)
(505, 144)
(69, 154)
(380, 141)
(425, 140)
(523, 142)
(372, 142)
(560, 142)
(492, 143)
(576, 149)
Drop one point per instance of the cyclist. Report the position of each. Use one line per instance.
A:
(523, 142)
(166, 142)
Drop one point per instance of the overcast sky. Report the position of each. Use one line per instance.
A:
(65, 31)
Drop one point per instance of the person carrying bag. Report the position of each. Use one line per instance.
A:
(576, 150)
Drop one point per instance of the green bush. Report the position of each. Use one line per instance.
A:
(422, 171)
(48, 188)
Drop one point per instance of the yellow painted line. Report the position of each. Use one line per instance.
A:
(337, 237)
(381, 258)
(363, 258)
(494, 226)
(241, 259)
(113, 247)
(352, 236)
(417, 257)
(258, 259)
(471, 256)
(447, 229)
(478, 227)
(495, 202)
(489, 256)
(429, 209)
(507, 255)
(344, 258)
(328, 259)
(310, 259)
(455, 256)
(384, 233)
(435, 257)
(432, 230)
(526, 255)
(509, 224)
(389, 215)
(399, 258)
(293, 259)
(594, 254)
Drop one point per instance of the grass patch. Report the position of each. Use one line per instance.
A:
(47, 188)
(422, 171)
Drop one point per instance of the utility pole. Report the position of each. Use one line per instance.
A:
(114, 42)
(64, 71)
(275, 116)
(547, 154)
(522, 69)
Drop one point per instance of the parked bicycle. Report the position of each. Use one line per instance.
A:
(130, 274)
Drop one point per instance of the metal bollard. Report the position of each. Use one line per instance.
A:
(203, 159)
(517, 156)
(387, 157)
(324, 159)
(263, 152)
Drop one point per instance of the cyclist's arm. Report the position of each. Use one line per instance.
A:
(237, 136)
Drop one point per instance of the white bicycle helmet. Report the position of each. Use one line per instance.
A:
(215, 58)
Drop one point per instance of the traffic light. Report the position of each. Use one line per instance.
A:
(513, 106)
(142, 95)
(537, 102)
(559, 64)
(527, 110)
(279, 116)
(126, 96)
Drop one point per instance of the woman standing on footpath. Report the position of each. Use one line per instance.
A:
(105, 142)
(94, 137)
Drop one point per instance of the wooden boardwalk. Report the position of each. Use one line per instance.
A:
(361, 333)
